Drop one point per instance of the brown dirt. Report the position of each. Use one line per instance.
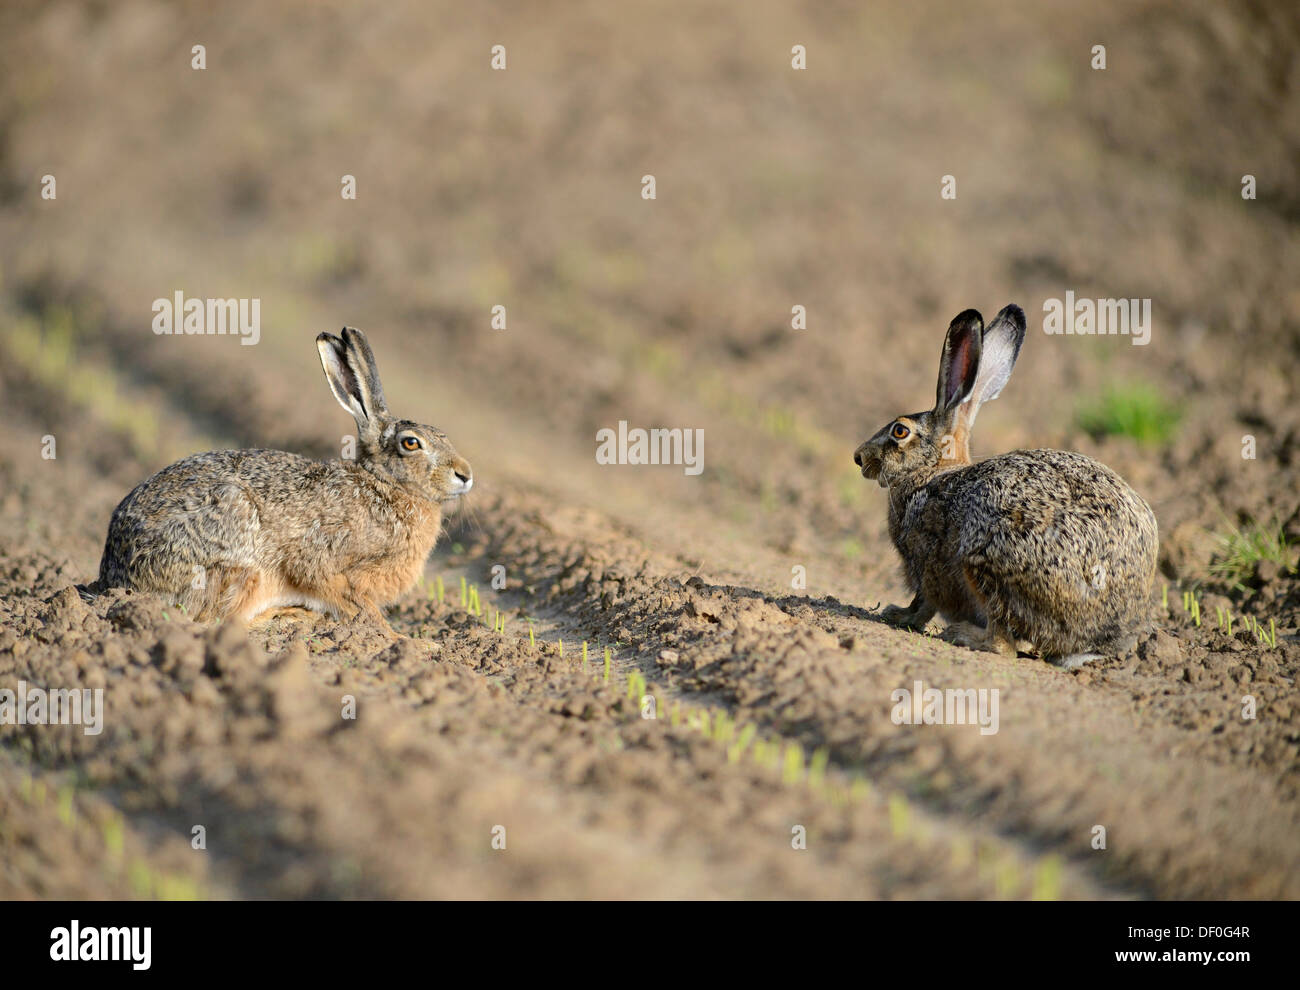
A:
(522, 188)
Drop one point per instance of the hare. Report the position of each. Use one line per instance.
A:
(1043, 547)
(237, 532)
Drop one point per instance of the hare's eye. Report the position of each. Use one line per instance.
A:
(899, 432)
(410, 443)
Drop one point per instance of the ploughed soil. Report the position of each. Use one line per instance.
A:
(740, 741)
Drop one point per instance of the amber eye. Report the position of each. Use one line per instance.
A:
(410, 443)
(899, 432)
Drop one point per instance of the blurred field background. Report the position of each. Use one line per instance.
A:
(775, 188)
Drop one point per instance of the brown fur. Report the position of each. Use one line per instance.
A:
(240, 532)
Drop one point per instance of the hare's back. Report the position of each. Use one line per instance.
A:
(202, 511)
(1054, 505)
(194, 481)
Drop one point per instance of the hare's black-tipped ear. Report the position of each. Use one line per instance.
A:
(1000, 348)
(362, 361)
(341, 377)
(959, 364)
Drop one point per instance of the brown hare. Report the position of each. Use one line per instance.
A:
(1043, 547)
(237, 532)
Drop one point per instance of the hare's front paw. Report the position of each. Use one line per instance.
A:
(914, 617)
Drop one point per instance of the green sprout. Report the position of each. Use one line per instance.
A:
(1240, 549)
(899, 816)
(1137, 411)
(737, 749)
(817, 767)
(793, 771)
(1047, 878)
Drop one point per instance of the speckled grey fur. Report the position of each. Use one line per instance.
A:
(1048, 547)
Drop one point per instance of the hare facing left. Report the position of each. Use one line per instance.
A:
(238, 532)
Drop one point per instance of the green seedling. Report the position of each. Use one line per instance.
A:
(172, 887)
(464, 592)
(114, 836)
(773, 753)
(531, 641)
(584, 654)
(1006, 878)
(817, 767)
(899, 816)
(793, 771)
(1242, 548)
(737, 749)
(441, 589)
(140, 878)
(607, 659)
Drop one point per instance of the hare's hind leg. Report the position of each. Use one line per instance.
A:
(237, 591)
(991, 638)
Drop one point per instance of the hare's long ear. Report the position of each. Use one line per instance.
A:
(345, 382)
(1000, 348)
(362, 361)
(959, 364)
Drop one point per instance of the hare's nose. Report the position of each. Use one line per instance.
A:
(465, 478)
(857, 457)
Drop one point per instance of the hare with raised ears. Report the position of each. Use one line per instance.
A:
(237, 532)
(1044, 547)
